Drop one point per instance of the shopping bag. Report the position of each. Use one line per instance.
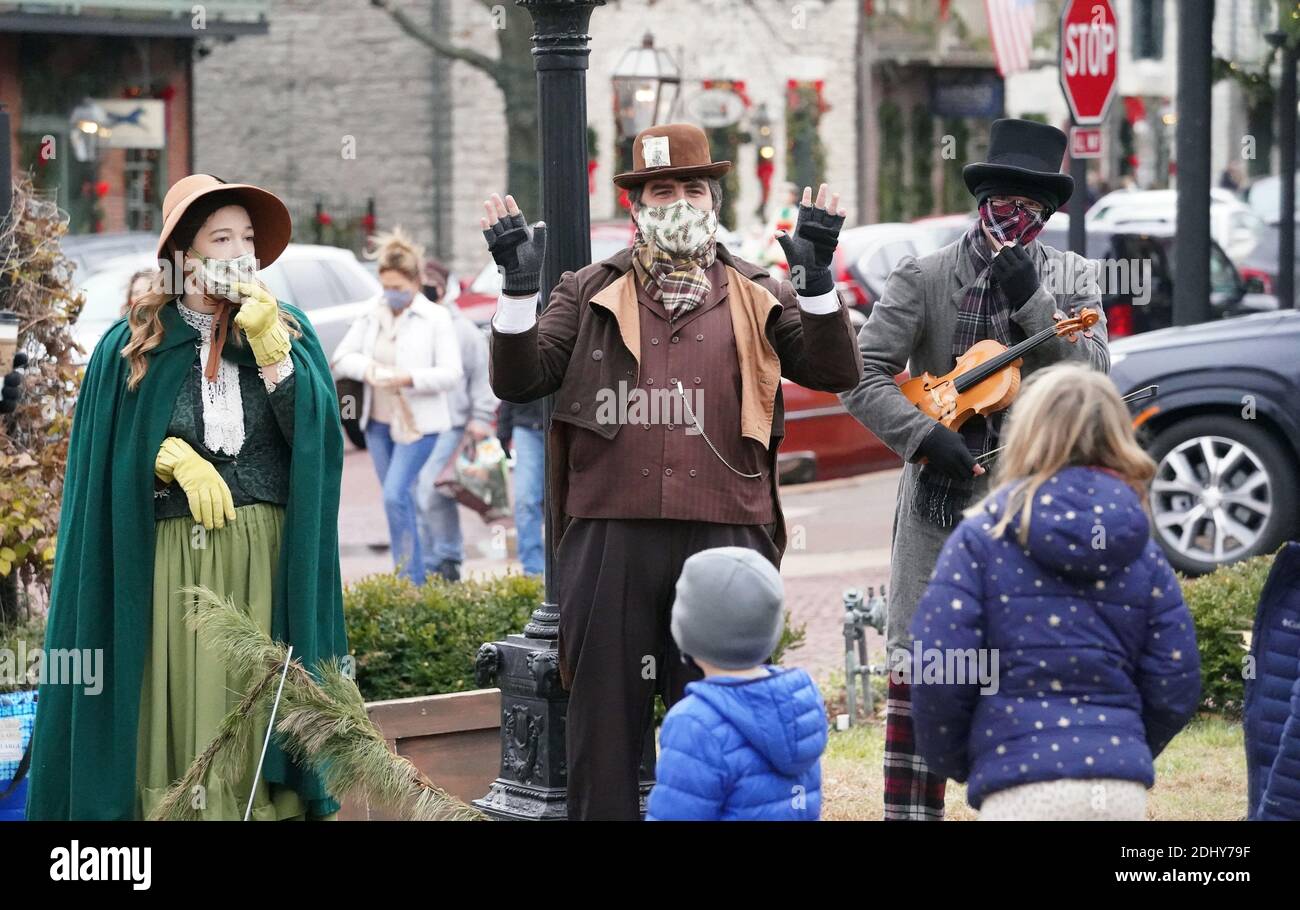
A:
(477, 477)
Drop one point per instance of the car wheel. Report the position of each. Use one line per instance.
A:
(352, 429)
(1224, 490)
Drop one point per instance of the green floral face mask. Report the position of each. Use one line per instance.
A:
(679, 229)
(218, 276)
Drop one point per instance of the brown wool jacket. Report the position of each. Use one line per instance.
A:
(588, 339)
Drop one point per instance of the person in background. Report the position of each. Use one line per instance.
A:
(522, 425)
(1055, 575)
(137, 287)
(406, 353)
(473, 409)
(745, 744)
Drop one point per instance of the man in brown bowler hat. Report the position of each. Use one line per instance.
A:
(679, 322)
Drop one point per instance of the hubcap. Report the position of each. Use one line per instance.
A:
(1211, 498)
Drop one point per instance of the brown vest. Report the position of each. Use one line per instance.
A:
(659, 465)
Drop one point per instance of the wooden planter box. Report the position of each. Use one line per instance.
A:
(454, 739)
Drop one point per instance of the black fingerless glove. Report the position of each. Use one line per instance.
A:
(810, 250)
(1014, 271)
(518, 251)
(946, 451)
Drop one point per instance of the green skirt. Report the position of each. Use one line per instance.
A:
(187, 690)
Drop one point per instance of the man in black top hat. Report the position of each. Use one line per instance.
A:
(996, 281)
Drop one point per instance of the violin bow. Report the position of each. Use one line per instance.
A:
(1137, 395)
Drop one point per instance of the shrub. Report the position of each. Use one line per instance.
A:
(17, 639)
(1223, 606)
(410, 640)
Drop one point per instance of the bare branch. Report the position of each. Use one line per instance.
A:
(437, 42)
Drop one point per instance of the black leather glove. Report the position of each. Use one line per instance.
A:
(12, 391)
(810, 250)
(518, 251)
(1015, 273)
(946, 451)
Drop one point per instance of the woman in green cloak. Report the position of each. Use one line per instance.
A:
(206, 451)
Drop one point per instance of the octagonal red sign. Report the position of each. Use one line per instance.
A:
(1089, 58)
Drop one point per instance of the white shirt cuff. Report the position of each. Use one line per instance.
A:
(515, 314)
(821, 304)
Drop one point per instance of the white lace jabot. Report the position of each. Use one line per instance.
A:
(223, 406)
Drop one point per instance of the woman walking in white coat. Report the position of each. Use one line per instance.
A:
(405, 352)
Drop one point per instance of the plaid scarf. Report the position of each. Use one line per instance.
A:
(983, 313)
(679, 283)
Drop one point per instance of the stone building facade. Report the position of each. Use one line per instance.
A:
(336, 77)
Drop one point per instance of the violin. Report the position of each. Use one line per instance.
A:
(986, 378)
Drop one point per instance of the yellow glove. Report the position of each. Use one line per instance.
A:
(259, 317)
(211, 504)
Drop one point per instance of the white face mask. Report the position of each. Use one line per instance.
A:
(219, 275)
(679, 229)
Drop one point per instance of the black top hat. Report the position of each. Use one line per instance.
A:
(1024, 160)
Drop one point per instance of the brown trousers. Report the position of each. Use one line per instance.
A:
(616, 589)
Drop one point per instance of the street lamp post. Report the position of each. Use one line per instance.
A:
(1286, 134)
(647, 87)
(1192, 252)
(533, 778)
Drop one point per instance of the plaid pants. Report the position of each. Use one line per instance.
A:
(912, 793)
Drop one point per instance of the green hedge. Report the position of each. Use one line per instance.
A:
(410, 640)
(31, 632)
(1223, 606)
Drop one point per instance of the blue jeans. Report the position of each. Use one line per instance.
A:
(397, 466)
(440, 515)
(530, 479)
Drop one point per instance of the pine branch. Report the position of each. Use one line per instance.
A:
(322, 720)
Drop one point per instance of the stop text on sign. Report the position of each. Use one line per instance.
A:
(1089, 48)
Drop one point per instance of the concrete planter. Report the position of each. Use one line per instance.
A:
(454, 739)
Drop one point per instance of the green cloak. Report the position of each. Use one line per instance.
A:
(84, 745)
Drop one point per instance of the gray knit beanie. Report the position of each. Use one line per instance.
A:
(729, 608)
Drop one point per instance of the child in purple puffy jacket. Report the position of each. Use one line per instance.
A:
(1054, 656)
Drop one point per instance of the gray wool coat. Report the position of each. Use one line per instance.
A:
(911, 327)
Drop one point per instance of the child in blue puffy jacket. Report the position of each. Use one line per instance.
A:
(1055, 585)
(746, 741)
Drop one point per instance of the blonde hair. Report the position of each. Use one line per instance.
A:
(396, 251)
(145, 320)
(1065, 415)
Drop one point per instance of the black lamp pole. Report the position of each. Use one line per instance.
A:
(1192, 144)
(533, 778)
(1286, 132)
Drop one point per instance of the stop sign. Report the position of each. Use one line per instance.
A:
(1089, 58)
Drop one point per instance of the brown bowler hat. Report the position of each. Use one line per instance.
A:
(672, 150)
(272, 225)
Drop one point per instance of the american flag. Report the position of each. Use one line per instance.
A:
(1011, 26)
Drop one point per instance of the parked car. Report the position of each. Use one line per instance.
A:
(1126, 313)
(89, 252)
(1233, 224)
(823, 441)
(325, 282)
(885, 246)
(1265, 198)
(1224, 430)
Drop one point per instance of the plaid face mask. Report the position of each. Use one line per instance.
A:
(1011, 222)
(220, 275)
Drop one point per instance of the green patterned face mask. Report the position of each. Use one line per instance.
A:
(679, 229)
(220, 275)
